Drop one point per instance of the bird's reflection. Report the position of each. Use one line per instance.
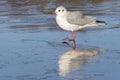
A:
(74, 59)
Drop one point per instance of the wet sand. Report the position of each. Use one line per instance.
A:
(31, 48)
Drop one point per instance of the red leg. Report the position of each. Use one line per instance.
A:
(67, 38)
(71, 36)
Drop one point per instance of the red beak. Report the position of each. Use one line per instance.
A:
(53, 12)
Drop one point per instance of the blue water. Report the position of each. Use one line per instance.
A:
(31, 48)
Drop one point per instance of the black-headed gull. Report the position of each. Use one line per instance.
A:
(73, 21)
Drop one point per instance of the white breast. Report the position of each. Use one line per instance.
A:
(63, 23)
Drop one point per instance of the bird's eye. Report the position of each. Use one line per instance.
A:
(63, 10)
(59, 10)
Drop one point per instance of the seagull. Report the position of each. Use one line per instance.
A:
(73, 21)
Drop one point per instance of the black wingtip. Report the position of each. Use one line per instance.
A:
(101, 22)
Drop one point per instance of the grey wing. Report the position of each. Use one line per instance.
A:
(79, 19)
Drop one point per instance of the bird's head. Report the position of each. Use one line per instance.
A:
(61, 11)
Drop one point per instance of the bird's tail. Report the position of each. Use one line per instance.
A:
(101, 22)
